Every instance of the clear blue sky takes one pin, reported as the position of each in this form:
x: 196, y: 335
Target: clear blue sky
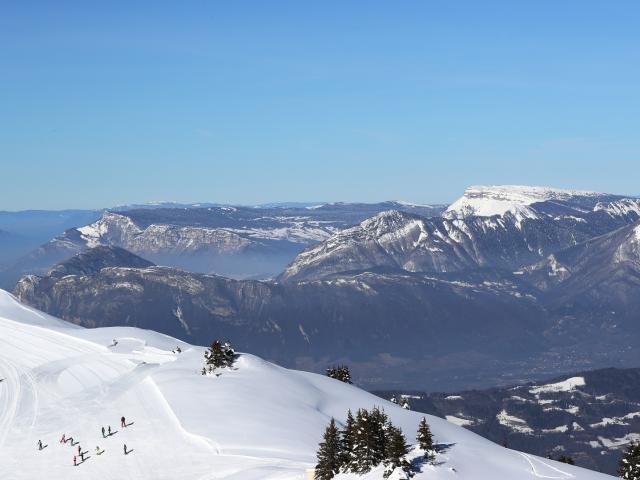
x: 105, y: 103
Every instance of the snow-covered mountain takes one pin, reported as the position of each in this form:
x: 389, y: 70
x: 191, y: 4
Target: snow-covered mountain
x: 503, y: 227
x: 257, y: 421
x: 241, y: 242
x: 520, y: 200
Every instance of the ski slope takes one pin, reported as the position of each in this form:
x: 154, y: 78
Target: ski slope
x: 258, y: 421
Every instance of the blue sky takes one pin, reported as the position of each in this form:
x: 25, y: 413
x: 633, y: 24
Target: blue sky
x: 107, y: 103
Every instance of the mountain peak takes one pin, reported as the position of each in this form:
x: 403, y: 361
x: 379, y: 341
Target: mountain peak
x: 490, y: 200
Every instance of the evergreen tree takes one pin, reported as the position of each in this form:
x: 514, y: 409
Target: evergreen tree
x: 219, y: 355
x: 566, y: 459
x: 630, y: 463
x: 425, y: 439
x: 329, y: 454
x: 369, y: 440
x: 393, y: 399
x: 379, y: 423
x: 404, y: 403
x: 347, y: 439
x: 340, y: 372
x: 395, y: 452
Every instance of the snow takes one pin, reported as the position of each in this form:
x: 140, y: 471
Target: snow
x: 514, y: 423
x: 453, y: 397
x: 458, y: 421
x: 619, y: 442
x: 487, y: 201
x: 564, y: 386
x: 615, y: 420
x: 558, y: 429
x: 256, y: 421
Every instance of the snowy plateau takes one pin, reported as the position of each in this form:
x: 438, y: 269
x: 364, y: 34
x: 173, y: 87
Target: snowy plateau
x: 256, y: 421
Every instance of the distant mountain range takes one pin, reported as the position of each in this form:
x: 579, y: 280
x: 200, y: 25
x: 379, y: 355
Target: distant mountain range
x: 489, y: 227
x: 242, y: 242
x: 508, y: 284
x: 590, y: 416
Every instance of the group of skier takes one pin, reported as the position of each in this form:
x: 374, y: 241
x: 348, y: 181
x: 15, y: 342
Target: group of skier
x: 64, y: 439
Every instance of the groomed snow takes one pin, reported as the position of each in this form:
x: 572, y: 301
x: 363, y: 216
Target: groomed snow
x: 259, y: 421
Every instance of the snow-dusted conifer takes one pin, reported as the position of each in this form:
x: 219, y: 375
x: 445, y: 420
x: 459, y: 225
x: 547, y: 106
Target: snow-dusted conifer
x: 219, y: 355
x: 347, y: 439
x: 396, y: 451
x: 630, y: 463
x: 425, y: 439
x: 340, y: 372
x: 329, y: 454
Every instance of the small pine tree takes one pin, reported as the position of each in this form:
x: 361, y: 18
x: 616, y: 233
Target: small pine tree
x: 395, y: 452
x: 219, y: 355
x: 404, y: 403
x: 340, y: 372
x: 629, y: 468
x: 566, y: 459
x: 369, y: 440
x: 393, y: 399
x: 425, y: 439
x: 379, y: 423
x: 329, y: 454
x: 347, y: 439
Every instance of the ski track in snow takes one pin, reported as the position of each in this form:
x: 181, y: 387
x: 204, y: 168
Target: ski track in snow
x: 531, y: 460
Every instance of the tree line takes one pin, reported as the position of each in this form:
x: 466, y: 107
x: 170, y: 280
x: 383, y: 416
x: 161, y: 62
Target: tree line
x: 366, y: 441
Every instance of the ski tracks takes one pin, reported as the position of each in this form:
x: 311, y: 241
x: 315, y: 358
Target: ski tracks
x: 561, y: 474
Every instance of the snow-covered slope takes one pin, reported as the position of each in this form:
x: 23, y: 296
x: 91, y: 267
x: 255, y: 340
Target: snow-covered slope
x: 258, y: 421
x: 487, y: 201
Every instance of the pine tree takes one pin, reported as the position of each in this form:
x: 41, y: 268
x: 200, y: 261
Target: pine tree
x: 630, y: 463
x: 340, y: 372
x: 425, y: 439
x: 329, y: 454
x: 395, y: 452
x: 379, y: 422
x: 404, y: 403
x: 566, y: 459
x: 219, y: 355
x: 347, y: 439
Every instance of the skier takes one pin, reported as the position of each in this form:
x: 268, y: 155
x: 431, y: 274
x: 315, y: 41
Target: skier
x: 82, y: 456
x: 178, y: 349
x: 102, y: 432
x: 98, y: 451
x: 125, y: 448
x: 122, y: 422
x: 63, y: 439
x: 115, y: 342
x: 75, y: 464
x: 109, y: 430
x: 79, y: 449
x: 39, y: 444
